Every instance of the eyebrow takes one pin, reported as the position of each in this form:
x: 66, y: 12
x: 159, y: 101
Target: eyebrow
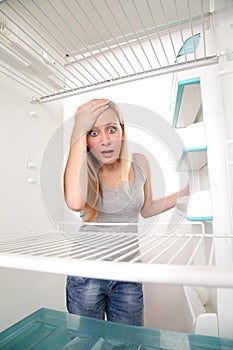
x: 108, y: 124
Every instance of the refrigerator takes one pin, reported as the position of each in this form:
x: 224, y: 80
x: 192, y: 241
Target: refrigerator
x: 168, y: 64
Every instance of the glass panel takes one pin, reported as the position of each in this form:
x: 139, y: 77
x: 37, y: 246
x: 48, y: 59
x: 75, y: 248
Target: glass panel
x: 55, y: 330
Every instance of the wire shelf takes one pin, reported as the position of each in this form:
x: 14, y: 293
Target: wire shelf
x: 58, y: 48
x: 169, y: 258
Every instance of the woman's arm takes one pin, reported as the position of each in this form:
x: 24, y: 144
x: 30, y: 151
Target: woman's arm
x: 152, y: 206
x: 75, y: 175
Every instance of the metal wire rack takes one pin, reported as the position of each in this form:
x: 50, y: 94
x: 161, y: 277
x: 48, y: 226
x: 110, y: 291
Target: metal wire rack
x: 62, y: 47
x: 169, y: 258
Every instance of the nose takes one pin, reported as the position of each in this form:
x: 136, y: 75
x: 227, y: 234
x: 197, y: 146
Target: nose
x: 106, y: 143
x: 105, y: 139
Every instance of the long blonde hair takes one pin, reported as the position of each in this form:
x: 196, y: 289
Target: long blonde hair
x: 94, y: 189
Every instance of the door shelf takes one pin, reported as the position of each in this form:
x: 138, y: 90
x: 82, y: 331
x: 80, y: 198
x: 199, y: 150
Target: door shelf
x: 192, y: 159
x: 194, y: 156
x: 196, y: 207
x: 187, y: 102
x: 199, y: 218
x: 199, y: 206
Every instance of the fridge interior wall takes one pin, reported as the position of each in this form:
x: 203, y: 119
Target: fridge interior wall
x: 24, y: 139
x: 22, y: 202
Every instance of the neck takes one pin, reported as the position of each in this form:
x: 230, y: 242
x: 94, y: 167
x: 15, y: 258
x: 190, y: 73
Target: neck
x: 109, y: 168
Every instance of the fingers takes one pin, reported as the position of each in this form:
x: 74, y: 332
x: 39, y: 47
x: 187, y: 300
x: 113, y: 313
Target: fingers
x: 98, y: 109
x: 87, y: 114
x: 94, y: 104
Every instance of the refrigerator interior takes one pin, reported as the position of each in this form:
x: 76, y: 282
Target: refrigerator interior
x: 56, y: 55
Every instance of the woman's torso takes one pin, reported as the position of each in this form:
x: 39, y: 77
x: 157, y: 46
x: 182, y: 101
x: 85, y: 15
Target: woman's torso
x: 120, y: 205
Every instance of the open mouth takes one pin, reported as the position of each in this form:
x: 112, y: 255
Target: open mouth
x: 107, y: 153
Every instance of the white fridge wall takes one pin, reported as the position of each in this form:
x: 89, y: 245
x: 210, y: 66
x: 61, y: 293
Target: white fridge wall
x: 23, y: 292
x: 23, y: 139
x: 170, y: 310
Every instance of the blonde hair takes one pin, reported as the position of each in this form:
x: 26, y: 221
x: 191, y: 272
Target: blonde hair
x: 94, y: 189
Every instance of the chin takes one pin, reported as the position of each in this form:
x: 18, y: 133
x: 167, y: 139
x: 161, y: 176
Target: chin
x: 109, y: 161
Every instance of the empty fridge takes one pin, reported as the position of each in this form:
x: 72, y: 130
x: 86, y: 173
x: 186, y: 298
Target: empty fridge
x: 174, y: 58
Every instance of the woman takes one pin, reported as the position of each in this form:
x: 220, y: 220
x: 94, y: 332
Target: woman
x: 105, y: 186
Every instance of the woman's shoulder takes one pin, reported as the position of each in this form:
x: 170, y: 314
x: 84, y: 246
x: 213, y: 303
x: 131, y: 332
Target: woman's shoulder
x: 140, y: 158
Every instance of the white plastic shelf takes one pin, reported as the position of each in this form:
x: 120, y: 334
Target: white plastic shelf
x: 193, y: 159
x: 187, y: 103
x: 199, y: 207
x: 149, y: 257
x: 194, y: 156
x: 193, y: 136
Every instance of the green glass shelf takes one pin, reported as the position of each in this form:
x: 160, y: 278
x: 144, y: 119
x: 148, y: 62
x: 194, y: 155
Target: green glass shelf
x: 54, y: 330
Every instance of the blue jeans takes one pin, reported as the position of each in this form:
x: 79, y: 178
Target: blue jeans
x: 120, y: 301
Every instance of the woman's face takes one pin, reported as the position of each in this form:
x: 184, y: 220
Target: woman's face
x: 105, y: 138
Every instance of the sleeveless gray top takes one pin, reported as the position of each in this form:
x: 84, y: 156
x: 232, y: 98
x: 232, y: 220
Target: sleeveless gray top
x: 118, y: 205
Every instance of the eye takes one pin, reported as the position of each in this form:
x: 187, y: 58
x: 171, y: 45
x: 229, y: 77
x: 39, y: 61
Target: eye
x: 112, y: 129
x: 93, y: 133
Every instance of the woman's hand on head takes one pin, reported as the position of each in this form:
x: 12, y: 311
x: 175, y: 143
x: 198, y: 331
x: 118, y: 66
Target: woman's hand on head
x: 86, y: 114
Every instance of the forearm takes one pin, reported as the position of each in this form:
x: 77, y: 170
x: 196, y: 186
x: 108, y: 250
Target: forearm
x: 75, y: 176
x: 158, y: 206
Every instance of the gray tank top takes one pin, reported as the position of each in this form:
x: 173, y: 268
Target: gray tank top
x: 117, y: 205
x: 123, y: 207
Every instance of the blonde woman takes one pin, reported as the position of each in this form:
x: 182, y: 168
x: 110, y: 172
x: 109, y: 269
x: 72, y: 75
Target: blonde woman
x: 105, y: 186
